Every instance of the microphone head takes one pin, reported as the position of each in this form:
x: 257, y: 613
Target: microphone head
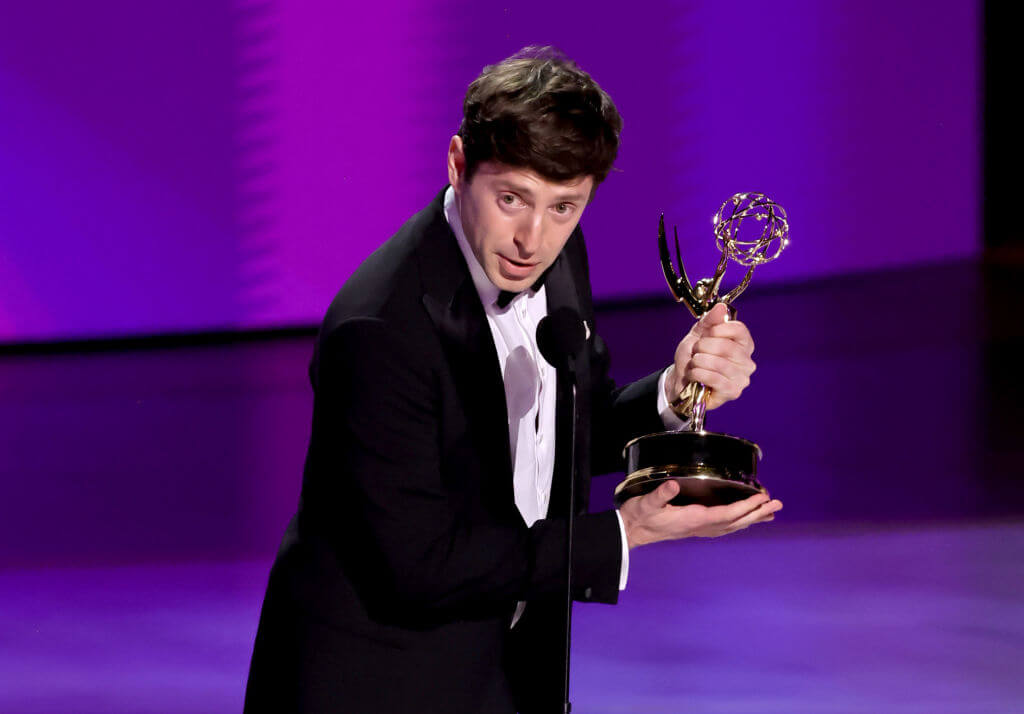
x: 561, y: 337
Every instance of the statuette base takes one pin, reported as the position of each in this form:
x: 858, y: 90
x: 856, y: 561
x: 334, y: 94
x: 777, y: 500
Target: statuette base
x: 711, y: 469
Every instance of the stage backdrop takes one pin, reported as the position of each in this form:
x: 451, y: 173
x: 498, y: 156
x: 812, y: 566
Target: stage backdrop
x: 197, y: 164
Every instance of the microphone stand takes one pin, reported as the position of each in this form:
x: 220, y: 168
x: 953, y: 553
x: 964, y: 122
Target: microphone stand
x: 561, y: 338
x: 571, y: 371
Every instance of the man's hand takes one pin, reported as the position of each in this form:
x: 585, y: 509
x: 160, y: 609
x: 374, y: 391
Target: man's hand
x: 716, y: 353
x: 650, y: 518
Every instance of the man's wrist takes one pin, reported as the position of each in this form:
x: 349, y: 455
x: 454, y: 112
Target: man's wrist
x: 670, y: 417
x: 628, y: 527
x: 624, y: 562
x: 625, y: 530
x: 669, y: 383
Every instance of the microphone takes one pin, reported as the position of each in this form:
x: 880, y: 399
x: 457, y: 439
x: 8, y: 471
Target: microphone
x: 560, y: 338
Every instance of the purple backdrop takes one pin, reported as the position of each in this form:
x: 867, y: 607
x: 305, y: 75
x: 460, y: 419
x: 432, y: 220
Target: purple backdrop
x: 173, y: 166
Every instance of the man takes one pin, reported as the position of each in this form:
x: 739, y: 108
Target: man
x: 425, y: 568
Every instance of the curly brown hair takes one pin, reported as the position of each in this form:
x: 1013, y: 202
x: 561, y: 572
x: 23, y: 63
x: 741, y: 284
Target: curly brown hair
x: 539, y: 110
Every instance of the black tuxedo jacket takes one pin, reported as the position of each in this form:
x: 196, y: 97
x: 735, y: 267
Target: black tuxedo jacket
x: 396, y: 580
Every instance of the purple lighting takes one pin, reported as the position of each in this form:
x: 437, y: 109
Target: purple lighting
x: 178, y: 166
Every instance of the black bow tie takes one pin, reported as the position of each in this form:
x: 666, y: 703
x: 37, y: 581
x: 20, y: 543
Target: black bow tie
x: 505, y: 297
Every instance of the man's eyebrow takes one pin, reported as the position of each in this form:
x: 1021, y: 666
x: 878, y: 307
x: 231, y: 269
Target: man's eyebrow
x: 506, y: 185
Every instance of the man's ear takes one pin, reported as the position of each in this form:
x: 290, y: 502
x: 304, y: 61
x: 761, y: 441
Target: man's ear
x: 456, y: 162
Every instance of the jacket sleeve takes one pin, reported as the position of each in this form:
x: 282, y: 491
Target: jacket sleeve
x: 377, y: 420
x: 619, y: 414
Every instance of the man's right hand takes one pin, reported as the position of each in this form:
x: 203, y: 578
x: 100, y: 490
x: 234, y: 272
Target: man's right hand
x: 650, y: 518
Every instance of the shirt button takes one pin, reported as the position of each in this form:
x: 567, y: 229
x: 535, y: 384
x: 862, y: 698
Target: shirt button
x: 588, y: 593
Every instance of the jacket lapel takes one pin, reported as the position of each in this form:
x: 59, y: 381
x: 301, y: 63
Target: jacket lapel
x: 453, y: 304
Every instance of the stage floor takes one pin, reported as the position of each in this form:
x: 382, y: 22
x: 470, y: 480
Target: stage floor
x: 147, y: 486
x: 795, y: 619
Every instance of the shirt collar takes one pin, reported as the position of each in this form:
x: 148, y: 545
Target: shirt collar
x: 487, y: 290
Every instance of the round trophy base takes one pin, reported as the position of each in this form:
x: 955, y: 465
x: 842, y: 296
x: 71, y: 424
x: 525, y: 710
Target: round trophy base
x: 711, y: 469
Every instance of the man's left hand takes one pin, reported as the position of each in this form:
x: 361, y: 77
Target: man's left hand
x: 716, y: 353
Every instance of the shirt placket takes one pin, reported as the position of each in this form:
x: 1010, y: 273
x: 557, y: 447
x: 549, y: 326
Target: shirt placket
x: 528, y: 330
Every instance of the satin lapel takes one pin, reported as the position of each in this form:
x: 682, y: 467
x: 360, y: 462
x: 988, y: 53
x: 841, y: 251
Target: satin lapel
x: 454, y: 306
x: 562, y: 292
x: 561, y: 285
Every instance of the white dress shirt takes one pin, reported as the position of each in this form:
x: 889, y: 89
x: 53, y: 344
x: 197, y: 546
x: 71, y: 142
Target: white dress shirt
x: 530, y: 386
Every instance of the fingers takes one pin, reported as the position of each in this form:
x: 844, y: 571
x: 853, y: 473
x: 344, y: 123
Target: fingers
x: 722, y: 389
x: 650, y: 518
x: 764, y: 512
x: 731, y: 513
x: 722, y: 365
x: 735, y: 511
x: 709, y: 331
x: 717, y: 315
x: 720, y: 359
x: 725, y: 378
x: 725, y: 350
x: 733, y: 330
x: 725, y: 341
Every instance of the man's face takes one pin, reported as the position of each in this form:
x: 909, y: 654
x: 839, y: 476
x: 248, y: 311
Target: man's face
x: 515, y: 220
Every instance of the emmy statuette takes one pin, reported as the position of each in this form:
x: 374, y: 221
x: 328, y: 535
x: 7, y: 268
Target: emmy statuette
x: 711, y: 469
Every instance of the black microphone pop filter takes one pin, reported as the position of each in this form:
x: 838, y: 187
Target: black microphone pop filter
x: 560, y: 338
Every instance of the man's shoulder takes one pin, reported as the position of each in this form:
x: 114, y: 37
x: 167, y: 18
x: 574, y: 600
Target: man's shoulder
x: 390, y: 280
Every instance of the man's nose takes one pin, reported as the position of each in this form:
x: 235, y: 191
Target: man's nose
x: 529, y: 234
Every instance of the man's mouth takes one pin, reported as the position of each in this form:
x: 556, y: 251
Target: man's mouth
x: 515, y: 269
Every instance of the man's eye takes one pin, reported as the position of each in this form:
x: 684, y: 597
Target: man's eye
x: 508, y: 199
x: 563, y: 208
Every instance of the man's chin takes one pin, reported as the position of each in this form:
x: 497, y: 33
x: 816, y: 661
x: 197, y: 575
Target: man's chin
x: 514, y: 286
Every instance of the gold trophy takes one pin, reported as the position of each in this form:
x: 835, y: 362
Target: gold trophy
x: 711, y: 469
